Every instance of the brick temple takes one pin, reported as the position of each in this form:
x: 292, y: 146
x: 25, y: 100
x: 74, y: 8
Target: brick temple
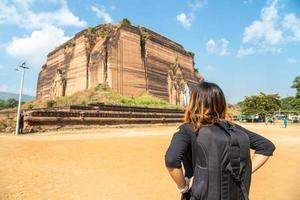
x: 130, y: 59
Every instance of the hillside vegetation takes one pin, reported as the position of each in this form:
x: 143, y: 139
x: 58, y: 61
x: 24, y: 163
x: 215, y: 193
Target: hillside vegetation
x: 102, y: 94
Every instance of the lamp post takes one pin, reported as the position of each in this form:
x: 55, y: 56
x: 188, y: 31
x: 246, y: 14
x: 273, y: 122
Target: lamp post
x: 23, y: 67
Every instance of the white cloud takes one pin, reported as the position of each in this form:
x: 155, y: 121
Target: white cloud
x: 292, y: 61
x: 219, y: 47
x: 265, y: 30
x: 185, y: 20
x: 210, y: 46
x: 270, y: 30
x: 245, y: 51
x: 262, y: 49
x: 35, y: 47
x: 62, y: 17
x: 101, y: 13
x: 292, y: 23
x: 19, y: 13
x: 224, y: 47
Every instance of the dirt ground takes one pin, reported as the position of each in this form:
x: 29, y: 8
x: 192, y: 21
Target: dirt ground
x: 125, y: 163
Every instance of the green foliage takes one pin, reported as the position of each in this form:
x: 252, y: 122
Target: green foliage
x: 103, y: 34
x: 125, y: 21
x: 286, y: 103
x: 92, y: 30
x: 144, y: 36
x: 50, y: 103
x: 62, y: 101
x: 2, y: 104
x: 30, y: 106
x: 295, y: 103
x: 9, y: 103
x: 296, y: 85
x: 102, y: 87
x: 71, y: 43
x: 191, y: 53
x: 263, y: 104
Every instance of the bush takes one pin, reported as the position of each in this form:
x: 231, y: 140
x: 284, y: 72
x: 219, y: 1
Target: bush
x: 125, y: 21
x: 102, y: 87
x: 102, y: 34
x: 30, y: 106
x: 71, y: 43
x: 50, y: 103
x: 92, y: 30
x: 144, y: 36
x: 191, y: 53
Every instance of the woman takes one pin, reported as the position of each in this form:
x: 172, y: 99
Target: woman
x: 201, y: 144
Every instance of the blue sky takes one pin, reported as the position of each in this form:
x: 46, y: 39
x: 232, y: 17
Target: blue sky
x: 245, y: 46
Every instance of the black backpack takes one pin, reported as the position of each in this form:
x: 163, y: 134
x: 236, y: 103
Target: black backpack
x: 222, y: 164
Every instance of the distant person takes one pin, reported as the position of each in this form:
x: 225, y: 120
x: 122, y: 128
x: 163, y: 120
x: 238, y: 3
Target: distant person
x: 285, y: 122
x: 201, y: 144
x: 270, y: 120
x: 273, y: 119
x: 266, y: 120
x: 21, y: 123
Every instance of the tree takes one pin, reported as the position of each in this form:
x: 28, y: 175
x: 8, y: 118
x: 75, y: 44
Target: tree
x: 11, y: 103
x: 296, y: 102
x: 2, y: 104
x: 296, y: 85
x: 287, y: 103
x: 263, y: 104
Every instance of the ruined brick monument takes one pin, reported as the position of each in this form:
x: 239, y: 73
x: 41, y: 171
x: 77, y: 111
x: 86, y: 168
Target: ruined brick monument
x: 130, y: 59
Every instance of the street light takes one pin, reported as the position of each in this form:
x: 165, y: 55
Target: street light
x: 23, y: 67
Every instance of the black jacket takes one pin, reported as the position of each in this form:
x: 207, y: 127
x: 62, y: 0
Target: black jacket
x: 180, y: 149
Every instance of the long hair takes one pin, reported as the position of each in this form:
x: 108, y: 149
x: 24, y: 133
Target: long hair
x: 207, y: 105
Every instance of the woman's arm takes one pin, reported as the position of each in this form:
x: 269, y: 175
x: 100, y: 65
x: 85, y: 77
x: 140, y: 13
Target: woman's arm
x: 177, y: 176
x: 263, y: 147
x: 258, y: 160
x: 258, y: 143
x: 174, y: 155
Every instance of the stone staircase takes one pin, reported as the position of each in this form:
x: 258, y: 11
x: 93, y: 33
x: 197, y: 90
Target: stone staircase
x: 82, y: 116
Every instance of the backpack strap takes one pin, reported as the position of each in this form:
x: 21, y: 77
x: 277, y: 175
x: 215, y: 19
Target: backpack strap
x: 233, y: 165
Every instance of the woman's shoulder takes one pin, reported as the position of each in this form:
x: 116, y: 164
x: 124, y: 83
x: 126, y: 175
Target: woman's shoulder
x: 186, y: 129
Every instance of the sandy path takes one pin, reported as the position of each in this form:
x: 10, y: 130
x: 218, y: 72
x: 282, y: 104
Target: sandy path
x: 124, y: 163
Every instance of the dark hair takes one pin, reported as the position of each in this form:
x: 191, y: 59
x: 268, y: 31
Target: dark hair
x: 207, y: 105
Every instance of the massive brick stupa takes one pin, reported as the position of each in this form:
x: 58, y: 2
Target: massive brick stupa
x: 130, y: 59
